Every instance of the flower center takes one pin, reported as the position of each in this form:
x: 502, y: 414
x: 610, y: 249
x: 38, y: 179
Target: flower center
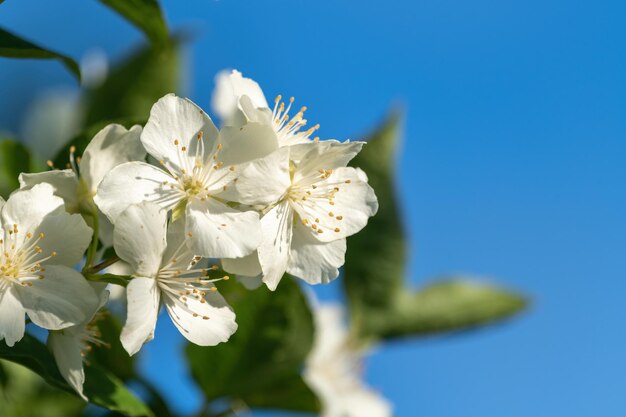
x: 192, y: 186
x: 21, y: 257
x: 288, y: 127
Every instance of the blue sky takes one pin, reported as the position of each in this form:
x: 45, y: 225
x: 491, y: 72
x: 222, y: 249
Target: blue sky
x: 512, y: 167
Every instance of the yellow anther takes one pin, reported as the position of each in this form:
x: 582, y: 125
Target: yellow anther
x: 226, y: 278
x: 331, y: 214
x: 50, y: 163
x: 189, y: 234
x: 54, y: 253
x: 176, y: 142
x: 278, y: 98
x: 72, y: 149
x: 337, y: 230
x: 291, y: 99
x: 232, y: 168
x: 347, y: 181
x: 219, y: 146
x: 29, y: 235
x: 184, y: 148
x: 339, y: 217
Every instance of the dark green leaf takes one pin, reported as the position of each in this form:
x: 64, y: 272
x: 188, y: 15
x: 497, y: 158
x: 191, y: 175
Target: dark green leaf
x: 134, y: 85
x: 112, y: 357
x: 101, y: 387
x: 14, y: 159
x: 263, y: 358
x: 145, y: 14
x: 12, y: 46
x: 381, y: 305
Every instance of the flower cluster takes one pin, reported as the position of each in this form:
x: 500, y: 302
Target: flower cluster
x: 178, y: 200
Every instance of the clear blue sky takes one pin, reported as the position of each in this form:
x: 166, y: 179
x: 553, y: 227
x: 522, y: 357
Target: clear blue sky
x: 513, y: 167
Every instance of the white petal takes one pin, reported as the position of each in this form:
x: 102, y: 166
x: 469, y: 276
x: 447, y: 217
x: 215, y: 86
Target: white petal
x: 203, y: 323
x: 105, y: 230
x: 66, y: 234
x: 11, y: 317
x: 66, y: 348
x: 229, y: 87
x: 314, y: 261
x: 246, y: 143
x: 364, y: 402
x: 64, y: 181
x: 248, y: 265
x: 134, y: 182
x: 277, y: 225
x: 354, y: 203
x: 174, y: 118
x: 327, y: 154
x: 111, y: 147
x: 143, y: 307
x: 219, y: 231
x: 264, y: 180
x: 139, y: 237
x: 62, y: 299
x: 28, y: 208
x: 252, y: 113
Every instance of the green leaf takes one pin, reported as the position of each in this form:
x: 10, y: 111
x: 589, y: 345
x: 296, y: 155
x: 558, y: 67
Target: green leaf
x: 145, y: 14
x: 12, y: 46
x: 381, y: 304
x: 112, y: 357
x: 101, y: 387
x: 14, y: 159
x: 134, y: 85
x: 444, y: 306
x: 261, y: 362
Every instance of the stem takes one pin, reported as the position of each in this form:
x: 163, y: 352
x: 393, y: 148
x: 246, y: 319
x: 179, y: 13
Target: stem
x: 93, y: 247
x: 102, y: 265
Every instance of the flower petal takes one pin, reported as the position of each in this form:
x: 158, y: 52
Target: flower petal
x: 134, y: 182
x: 327, y: 154
x: 229, y: 87
x: 314, y: 261
x: 174, y: 118
x: 203, y: 323
x: 66, y: 235
x: 66, y: 349
x: 246, y: 143
x: 353, y: 203
x: 111, y: 147
x: 219, y: 231
x: 27, y: 208
x: 139, y: 237
x: 277, y: 225
x: 248, y: 265
x: 11, y: 317
x: 64, y: 181
x: 143, y: 307
x: 62, y: 299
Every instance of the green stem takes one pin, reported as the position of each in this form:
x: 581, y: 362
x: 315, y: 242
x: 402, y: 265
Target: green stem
x: 93, y: 247
x: 102, y: 265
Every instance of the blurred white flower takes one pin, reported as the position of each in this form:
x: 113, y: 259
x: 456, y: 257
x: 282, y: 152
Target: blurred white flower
x: 165, y: 269
x: 70, y: 345
x: 110, y: 147
x: 51, y: 121
x: 40, y: 242
x: 334, y: 370
x: 237, y: 99
x: 94, y: 68
x: 312, y: 203
x: 199, y: 165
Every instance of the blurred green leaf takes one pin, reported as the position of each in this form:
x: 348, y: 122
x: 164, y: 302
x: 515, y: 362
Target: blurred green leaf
x: 12, y: 46
x: 101, y: 387
x: 381, y: 305
x: 260, y: 364
x: 27, y: 395
x: 145, y: 14
x: 134, y: 85
x: 14, y: 159
x: 443, y: 306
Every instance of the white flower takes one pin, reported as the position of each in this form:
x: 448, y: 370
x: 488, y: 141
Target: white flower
x: 333, y: 370
x: 110, y: 147
x: 313, y: 202
x: 70, y: 345
x: 165, y: 270
x: 238, y: 99
x: 199, y: 164
x: 39, y: 243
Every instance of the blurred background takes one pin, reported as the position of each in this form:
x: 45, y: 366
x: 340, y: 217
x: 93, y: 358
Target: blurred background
x: 512, y: 167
